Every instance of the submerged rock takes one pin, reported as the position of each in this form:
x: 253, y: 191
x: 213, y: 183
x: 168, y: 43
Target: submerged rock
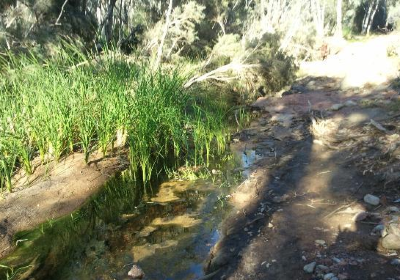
x: 136, y: 272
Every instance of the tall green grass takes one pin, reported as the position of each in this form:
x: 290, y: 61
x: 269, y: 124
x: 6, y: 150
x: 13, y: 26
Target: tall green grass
x: 50, y: 109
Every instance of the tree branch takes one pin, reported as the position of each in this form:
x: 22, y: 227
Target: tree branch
x: 62, y: 11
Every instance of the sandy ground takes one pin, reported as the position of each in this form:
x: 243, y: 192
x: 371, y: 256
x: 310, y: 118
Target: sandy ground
x: 313, y: 155
x: 53, y: 191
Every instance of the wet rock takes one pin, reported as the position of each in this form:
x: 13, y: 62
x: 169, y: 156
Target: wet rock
x: 371, y: 199
x: 395, y: 262
x: 329, y: 276
x: 136, y: 272
x: 309, y: 268
x: 392, y: 240
x: 336, y: 107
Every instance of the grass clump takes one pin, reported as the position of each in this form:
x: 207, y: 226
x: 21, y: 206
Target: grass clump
x: 53, y: 108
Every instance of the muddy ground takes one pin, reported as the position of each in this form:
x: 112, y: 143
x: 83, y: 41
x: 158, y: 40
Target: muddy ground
x: 315, y: 153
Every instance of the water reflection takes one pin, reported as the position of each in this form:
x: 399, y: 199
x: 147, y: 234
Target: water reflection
x: 168, y: 239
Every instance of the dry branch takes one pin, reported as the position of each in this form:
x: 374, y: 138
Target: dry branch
x: 62, y: 11
x: 221, y: 73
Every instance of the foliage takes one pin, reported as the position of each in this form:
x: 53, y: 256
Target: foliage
x: 54, y: 109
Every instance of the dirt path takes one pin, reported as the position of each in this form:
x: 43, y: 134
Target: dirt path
x: 313, y: 155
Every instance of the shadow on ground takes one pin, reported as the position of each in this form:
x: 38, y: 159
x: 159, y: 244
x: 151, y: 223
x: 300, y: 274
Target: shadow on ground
x: 319, y: 155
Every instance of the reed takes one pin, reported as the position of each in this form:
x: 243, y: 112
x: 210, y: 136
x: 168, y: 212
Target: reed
x: 52, y: 108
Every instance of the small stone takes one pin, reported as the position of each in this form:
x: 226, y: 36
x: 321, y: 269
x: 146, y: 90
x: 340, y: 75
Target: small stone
x: 320, y: 242
x: 336, y: 260
x: 309, y: 268
x: 136, y: 272
x: 350, y: 103
x: 329, y: 276
x: 322, y: 268
x: 393, y: 209
x: 336, y: 107
x: 395, y: 262
x: 371, y: 199
x: 378, y: 230
x: 343, y: 276
x: 360, y: 216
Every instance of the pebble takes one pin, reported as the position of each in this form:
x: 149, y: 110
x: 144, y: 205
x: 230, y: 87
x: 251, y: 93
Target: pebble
x: 360, y: 216
x: 378, y: 230
x: 393, y: 209
x: 343, y: 276
x: 322, y: 268
x: 320, y: 242
x: 336, y: 107
x: 336, y: 260
x: 395, y: 262
x: 329, y: 276
x: 136, y: 272
x: 371, y: 199
x: 350, y: 103
x: 309, y: 268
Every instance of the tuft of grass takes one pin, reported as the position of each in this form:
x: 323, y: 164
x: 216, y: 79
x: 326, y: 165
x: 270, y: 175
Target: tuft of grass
x: 51, y: 108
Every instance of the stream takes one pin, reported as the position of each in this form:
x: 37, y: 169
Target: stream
x: 168, y: 235
x: 167, y: 230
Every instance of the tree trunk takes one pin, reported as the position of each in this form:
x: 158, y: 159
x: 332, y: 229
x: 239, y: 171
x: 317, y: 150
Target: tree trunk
x: 369, y: 16
x: 109, y: 21
x: 372, y: 17
x: 339, y: 28
x: 160, y: 47
x: 318, y: 14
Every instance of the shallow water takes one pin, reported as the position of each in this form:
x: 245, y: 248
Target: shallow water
x: 169, y: 237
x: 168, y: 230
